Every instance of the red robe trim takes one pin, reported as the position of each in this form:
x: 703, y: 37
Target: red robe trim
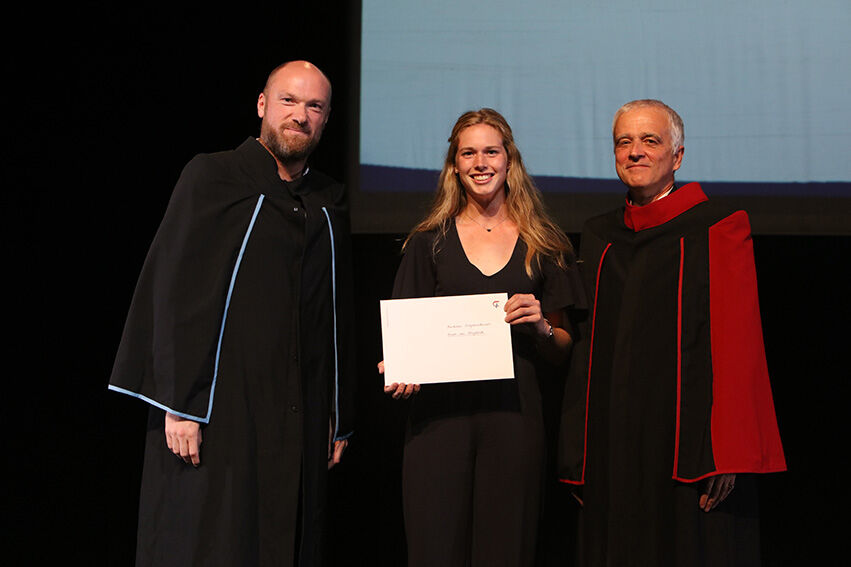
x: 679, y: 356
x: 590, y: 356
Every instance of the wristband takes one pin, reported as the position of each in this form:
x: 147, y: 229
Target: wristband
x: 549, y: 334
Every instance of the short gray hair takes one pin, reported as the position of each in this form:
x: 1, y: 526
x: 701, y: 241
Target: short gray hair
x: 675, y: 123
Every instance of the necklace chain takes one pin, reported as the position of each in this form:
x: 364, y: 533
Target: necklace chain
x: 483, y: 226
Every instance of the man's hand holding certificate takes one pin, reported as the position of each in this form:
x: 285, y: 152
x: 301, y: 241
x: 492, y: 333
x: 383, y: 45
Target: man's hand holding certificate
x: 446, y: 339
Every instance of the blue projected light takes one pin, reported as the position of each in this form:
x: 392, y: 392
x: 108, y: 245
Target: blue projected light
x: 762, y: 88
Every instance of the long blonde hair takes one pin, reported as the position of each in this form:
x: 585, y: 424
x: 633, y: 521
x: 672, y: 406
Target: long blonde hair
x: 523, y: 200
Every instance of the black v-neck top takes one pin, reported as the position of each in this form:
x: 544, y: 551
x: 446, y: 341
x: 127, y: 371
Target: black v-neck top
x: 426, y: 273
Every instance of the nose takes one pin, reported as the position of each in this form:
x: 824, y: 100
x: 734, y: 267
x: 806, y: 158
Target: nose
x: 636, y: 151
x: 300, y: 114
x: 479, y: 162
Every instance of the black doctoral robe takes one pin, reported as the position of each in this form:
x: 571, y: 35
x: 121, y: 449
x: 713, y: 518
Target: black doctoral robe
x: 668, y: 386
x: 241, y: 320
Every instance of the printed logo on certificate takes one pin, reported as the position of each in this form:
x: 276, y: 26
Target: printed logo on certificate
x: 457, y: 338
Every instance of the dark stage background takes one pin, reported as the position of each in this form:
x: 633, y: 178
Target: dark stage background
x: 106, y: 109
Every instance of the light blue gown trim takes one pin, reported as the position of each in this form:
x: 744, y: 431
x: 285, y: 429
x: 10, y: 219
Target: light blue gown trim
x: 334, y: 311
x: 157, y: 404
x: 206, y: 419
x: 227, y: 301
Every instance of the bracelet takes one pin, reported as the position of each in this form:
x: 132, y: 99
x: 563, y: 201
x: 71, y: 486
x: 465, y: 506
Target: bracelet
x: 549, y: 333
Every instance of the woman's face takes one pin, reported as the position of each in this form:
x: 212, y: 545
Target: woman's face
x: 481, y: 161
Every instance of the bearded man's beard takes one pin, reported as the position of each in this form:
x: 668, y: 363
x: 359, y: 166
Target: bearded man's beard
x: 289, y: 147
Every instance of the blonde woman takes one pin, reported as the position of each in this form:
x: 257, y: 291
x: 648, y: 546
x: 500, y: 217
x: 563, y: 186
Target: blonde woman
x: 474, y: 452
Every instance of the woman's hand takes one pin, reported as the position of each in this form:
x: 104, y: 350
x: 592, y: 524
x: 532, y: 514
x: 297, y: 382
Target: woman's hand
x: 551, y: 331
x: 525, y: 309
x: 398, y: 390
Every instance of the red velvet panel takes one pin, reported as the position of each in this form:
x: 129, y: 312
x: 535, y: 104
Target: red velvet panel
x: 745, y: 437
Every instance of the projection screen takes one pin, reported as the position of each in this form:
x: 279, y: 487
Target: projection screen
x: 762, y: 87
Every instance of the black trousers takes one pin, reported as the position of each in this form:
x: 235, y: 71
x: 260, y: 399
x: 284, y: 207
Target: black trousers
x: 472, y: 487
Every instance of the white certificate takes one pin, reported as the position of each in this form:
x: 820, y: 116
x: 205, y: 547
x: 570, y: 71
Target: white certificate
x: 457, y: 338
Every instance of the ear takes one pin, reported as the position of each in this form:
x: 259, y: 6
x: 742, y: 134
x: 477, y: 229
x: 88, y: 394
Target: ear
x: 678, y: 157
x: 261, y: 105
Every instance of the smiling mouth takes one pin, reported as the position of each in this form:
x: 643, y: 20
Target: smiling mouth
x: 295, y: 127
x: 482, y: 177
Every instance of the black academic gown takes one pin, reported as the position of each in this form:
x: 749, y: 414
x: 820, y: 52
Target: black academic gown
x: 668, y: 386
x: 241, y: 320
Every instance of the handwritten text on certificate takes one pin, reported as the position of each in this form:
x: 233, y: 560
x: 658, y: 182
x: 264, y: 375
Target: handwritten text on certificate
x: 456, y: 338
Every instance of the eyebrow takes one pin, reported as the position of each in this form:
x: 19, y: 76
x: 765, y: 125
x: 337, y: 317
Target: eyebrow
x: 495, y: 147
x: 641, y: 135
x: 287, y: 94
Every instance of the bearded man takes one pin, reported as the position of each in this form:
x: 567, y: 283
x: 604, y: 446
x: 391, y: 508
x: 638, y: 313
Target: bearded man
x: 239, y: 337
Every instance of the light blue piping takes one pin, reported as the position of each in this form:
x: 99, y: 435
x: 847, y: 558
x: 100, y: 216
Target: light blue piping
x: 227, y: 301
x: 221, y: 333
x: 157, y: 404
x: 334, y: 306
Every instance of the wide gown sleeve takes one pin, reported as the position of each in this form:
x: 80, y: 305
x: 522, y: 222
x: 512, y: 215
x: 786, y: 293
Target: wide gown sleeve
x: 167, y: 352
x: 745, y: 436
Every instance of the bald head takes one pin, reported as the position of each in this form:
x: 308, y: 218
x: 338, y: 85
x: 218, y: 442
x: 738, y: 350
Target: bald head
x: 298, y: 68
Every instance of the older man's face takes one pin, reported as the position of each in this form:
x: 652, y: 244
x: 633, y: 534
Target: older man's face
x: 644, y: 157
x: 294, y: 108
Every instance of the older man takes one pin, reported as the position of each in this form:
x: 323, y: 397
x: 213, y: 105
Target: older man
x: 668, y: 407
x: 237, y: 337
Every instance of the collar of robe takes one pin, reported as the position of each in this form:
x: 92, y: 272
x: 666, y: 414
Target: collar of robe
x: 661, y: 211
x: 264, y: 162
